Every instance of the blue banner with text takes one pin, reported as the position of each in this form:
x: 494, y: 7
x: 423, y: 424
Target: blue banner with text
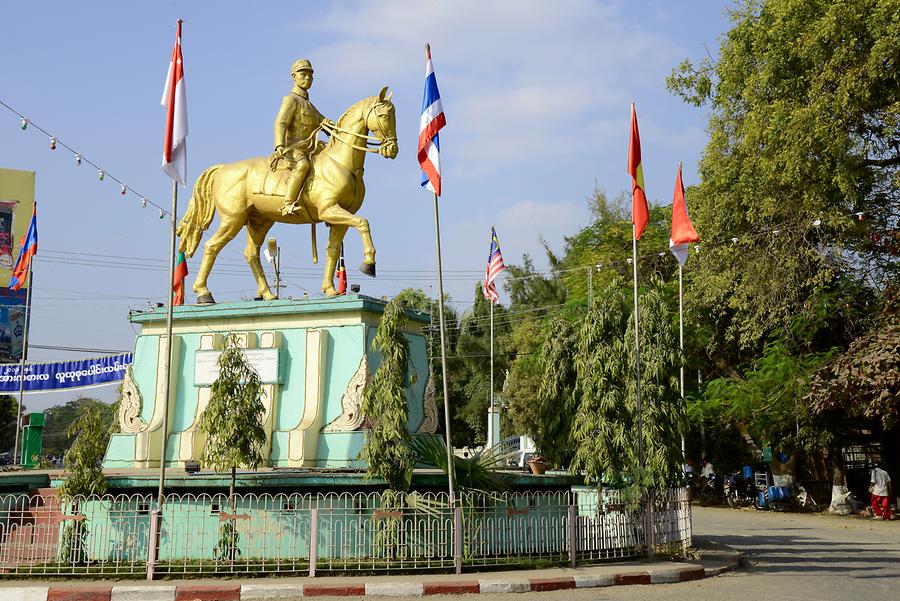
x: 65, y: 374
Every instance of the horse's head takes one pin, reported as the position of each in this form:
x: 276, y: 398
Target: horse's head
x: 382, y: 121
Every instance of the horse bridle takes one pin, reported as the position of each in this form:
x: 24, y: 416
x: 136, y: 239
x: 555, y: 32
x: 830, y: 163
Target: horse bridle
x: 372, y: 142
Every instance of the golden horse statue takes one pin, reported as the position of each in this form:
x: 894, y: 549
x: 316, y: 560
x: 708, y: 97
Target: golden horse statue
x: 248, y: 193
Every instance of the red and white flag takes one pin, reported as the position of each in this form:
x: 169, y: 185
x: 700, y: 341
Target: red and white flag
x: 174, y: 98
x: 683, y: 232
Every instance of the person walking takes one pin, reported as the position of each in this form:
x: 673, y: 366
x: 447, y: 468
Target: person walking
x: 881, y: 490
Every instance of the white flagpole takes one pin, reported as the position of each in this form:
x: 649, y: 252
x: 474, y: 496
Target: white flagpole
x: 637, y: 352
x: 648, y: 516
x: 492, y: 434
x: 437, y: 238
x: 156, y: 523
x: 681, y: 342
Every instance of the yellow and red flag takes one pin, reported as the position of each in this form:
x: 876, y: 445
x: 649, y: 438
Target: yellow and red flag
x: 639, y: 212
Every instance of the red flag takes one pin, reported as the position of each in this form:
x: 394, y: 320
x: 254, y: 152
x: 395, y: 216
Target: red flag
x: 180, y: 274
x: 683, y: 232
x: 174, y: 98
x: 341, y: 274
x: 639, y: 212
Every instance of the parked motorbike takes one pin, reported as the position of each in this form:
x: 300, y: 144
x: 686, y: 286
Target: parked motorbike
x: 739, y: 491
x: 711, y: 490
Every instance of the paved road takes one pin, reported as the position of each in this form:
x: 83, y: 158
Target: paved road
x: 793, y: 557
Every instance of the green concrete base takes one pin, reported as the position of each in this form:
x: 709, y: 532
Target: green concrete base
x: 315, y: 358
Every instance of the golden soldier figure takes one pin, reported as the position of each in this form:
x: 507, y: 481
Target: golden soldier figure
x: 296, y: 132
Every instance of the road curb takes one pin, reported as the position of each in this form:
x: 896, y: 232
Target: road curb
x: 273, y: 590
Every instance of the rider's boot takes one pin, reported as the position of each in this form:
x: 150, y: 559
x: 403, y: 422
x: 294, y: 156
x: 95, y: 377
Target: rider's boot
x: 295, y: 185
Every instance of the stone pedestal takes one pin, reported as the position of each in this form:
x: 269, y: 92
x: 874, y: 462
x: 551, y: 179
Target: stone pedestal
x: 314, y: 358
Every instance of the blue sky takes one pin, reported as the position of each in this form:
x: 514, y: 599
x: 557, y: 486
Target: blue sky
x: 536, y: 96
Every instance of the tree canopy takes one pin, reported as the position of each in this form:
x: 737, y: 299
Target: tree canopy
x: 805, y: 101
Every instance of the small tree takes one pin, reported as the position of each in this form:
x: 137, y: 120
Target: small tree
x: 387, y: 449
x: 232, y: 419
x: 85, y: 476
x: 233, y: 426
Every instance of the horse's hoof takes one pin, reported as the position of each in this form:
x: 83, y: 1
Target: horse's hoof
x: 268, y: 295
x: 330, y: 292
x: 206, y: 299
x: 368, y: 269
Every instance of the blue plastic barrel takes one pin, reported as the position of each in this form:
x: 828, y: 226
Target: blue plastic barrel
x: 748, y: 472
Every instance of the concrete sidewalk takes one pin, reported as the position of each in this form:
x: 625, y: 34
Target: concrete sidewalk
x: 711, y: 563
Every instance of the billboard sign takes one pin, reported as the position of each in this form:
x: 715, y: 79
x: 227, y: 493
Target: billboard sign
x: 16, y: 205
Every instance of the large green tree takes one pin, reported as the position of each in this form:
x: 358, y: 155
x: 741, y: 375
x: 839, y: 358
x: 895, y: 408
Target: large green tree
x: 607, y: 429
x: 804, y: 101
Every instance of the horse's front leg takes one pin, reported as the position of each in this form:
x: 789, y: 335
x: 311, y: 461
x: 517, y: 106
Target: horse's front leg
x: 256, y: 235
x: 332, y: 253
x: 335, y: 215
x: 228, y: 229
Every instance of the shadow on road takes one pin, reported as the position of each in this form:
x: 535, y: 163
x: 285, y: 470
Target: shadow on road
x: 795, y: 552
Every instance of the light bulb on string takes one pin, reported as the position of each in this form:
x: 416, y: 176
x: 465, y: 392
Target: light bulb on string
x: 25, y: 123
x: 817, y: 223
x: 734, y: 240
x: 859, y: 216
x: 101, y: 174
x: 162, y: 214
x: 124, y: 190
x: 143, y: 203
x: 77, y: 159
x: 52, y: 143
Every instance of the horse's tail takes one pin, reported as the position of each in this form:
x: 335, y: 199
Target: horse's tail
x: 199, y: 213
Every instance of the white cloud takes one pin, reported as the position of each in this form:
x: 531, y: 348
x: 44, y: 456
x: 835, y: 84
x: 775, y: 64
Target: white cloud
x: 521, y: 80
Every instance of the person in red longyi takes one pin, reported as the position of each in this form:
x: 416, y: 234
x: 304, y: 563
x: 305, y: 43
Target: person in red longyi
x: 881, y: 489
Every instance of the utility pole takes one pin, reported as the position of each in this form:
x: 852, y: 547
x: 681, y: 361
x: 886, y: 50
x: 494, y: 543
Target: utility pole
x: 273, y: 252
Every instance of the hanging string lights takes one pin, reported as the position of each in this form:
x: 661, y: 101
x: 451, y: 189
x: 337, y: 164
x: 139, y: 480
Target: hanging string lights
x: 55, y: 142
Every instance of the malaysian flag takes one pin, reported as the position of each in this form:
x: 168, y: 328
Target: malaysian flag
x: 494, y: 267
x: 430, y: 124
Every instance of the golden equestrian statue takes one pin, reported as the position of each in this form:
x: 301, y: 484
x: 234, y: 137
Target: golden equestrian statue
x: 301, y: 182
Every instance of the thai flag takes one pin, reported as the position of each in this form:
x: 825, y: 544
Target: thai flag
x: 494, y: 267
x: 174, y: 98
x: 429, y: 125
x: 28, y: 248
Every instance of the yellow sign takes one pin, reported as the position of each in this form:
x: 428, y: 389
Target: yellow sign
x: 16, y: 203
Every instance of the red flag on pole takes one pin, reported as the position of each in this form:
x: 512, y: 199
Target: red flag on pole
x: 341, y: 274
x: 683, y: 232
x: 174, y: 98
x: 639, y: 212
